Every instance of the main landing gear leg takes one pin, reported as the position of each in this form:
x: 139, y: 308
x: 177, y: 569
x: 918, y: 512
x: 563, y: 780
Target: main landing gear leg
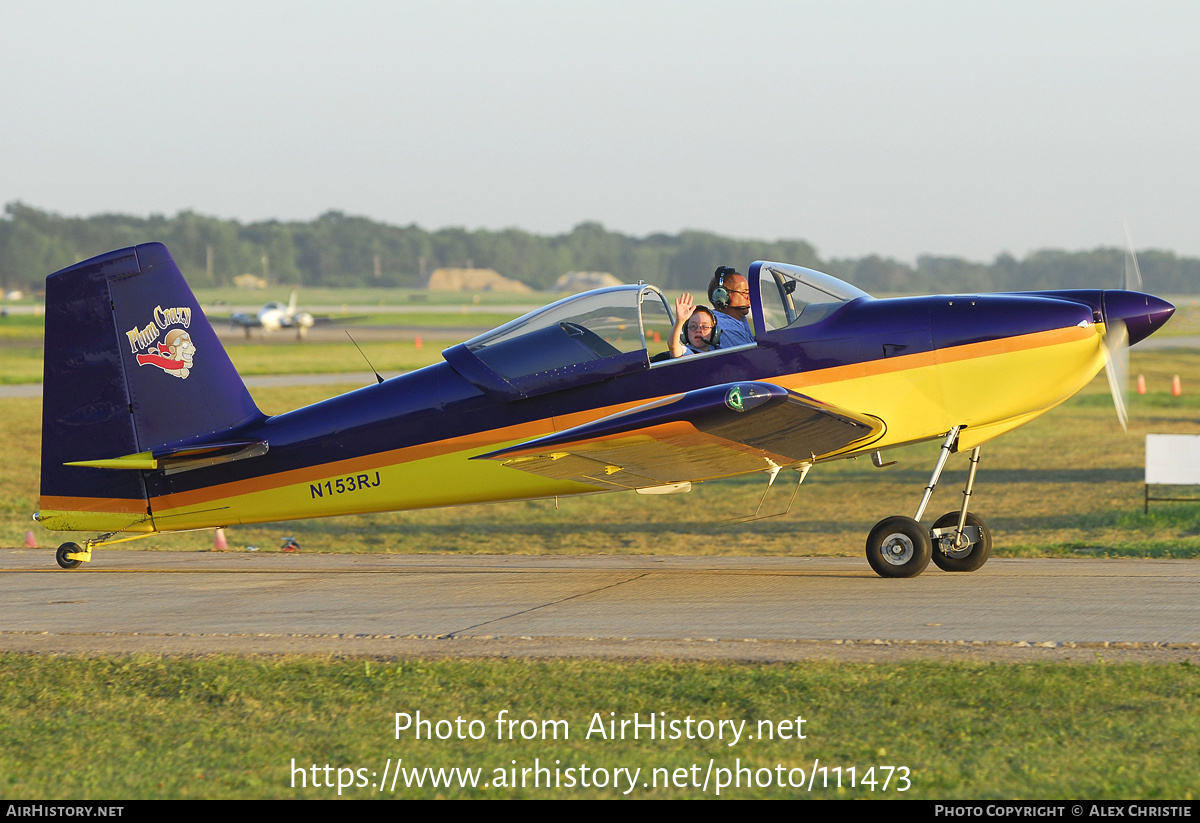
x: 899, y: 546
x: 961, y: 541
x: 943, y: 456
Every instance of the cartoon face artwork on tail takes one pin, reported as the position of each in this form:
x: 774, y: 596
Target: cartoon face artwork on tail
x: 174, y: 355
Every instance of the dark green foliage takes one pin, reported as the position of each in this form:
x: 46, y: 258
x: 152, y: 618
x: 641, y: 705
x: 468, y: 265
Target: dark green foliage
x: 341, y: 250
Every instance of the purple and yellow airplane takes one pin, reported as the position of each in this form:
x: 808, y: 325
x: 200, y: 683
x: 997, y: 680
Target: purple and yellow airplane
x: 148, y: 428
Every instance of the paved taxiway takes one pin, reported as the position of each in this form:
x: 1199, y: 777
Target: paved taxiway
x: 694, y: 607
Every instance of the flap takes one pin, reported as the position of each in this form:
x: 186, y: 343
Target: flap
x: 720, y: 431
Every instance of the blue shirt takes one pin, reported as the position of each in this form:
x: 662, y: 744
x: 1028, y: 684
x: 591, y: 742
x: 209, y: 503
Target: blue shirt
x: 734, y: 332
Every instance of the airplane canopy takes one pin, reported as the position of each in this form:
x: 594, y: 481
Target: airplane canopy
x: 577, y: 340
x: 792, y: 296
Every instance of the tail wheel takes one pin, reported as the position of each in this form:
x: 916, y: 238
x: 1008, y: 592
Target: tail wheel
x: 63, y: 551
x: 972, y: 550
x: 899, y: 547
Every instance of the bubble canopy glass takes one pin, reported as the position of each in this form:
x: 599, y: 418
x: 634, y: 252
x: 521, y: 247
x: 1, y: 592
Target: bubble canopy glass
x: 577, y: 340
x: 793, y: 296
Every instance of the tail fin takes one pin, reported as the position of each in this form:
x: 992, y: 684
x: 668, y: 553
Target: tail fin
x: 131, y: 366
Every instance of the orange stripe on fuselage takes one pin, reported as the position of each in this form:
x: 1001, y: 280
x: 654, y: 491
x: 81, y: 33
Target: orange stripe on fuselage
x: 369, y: 462
x: 904, y: 362
x: 1005, y: 345
x: 121, y: 505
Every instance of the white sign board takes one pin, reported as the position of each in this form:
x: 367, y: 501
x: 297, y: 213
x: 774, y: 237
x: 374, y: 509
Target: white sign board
x: 1173, y: 459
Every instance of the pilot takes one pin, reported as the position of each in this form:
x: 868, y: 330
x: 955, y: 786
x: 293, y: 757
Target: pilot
x: 729, y: 292
x: 695, y: 328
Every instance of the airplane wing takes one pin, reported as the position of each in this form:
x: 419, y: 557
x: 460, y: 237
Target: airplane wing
x: 719, y: 431
x: 241, y: 320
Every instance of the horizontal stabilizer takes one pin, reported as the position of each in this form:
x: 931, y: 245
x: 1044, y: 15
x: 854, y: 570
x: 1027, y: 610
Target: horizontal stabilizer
x: 720, y: 431
x: 172, y: 461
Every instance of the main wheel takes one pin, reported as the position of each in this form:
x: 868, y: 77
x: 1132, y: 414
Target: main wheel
x: 974, y: 550
x: 898, y: 547
x: 63, y: 551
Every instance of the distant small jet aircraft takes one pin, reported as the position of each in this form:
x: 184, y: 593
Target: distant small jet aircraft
x: 276, y: 316
x: 147, y: 427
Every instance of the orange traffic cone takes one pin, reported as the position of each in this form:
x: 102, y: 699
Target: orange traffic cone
x: 1176, y: 388
x: 1141, y: 388
x: 418, y: 342
x: 219, y: 544
x: 30, y: 543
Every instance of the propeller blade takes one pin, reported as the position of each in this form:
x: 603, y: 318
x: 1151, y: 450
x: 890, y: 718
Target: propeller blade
x: 1116, y: 367
x: 1133, y: 272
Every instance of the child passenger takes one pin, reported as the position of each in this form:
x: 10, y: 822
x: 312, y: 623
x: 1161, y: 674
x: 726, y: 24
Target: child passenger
x: 694, y: 330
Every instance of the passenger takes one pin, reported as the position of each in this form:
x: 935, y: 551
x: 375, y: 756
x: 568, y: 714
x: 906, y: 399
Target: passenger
x: 729, y: 292
x: 695, y: 328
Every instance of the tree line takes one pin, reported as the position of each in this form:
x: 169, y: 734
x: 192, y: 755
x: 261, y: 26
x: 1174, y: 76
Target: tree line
x: 337, y: 249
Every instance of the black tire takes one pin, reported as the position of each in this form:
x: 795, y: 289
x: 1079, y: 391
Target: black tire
x: 968, y: 558
x: 898, y: 547
x: 63, y: 551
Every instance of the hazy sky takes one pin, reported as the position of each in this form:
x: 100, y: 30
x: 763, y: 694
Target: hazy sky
x: 899, y: 128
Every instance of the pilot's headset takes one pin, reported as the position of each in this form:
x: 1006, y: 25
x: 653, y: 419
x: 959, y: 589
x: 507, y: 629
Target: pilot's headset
x: 717, y: 293
x: 714, y: 337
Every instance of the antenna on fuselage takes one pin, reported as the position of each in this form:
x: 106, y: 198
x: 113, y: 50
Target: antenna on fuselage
x: 378, y: 379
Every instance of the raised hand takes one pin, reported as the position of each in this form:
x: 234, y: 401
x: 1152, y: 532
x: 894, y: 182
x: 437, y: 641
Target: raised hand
x: 684, y: 306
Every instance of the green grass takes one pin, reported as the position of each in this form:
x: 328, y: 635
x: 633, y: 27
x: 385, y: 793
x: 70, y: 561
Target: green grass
x: 325, y: 296
x: 21, y: 342
x: 434, y: 320
x: 290, y: 358
x: 22, y: 327
x: 20, y: 364
x: 226, y: 727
